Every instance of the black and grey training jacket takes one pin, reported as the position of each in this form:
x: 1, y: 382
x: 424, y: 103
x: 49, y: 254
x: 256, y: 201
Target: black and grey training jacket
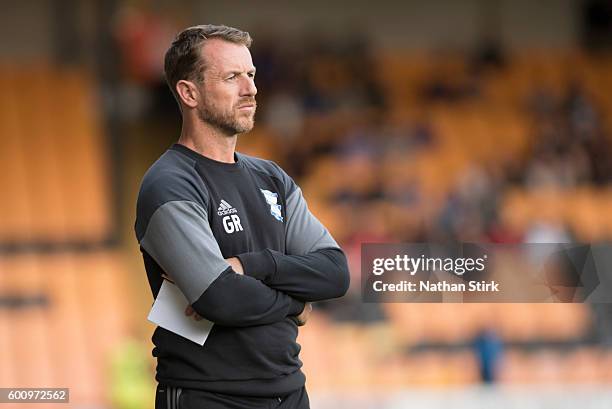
x: 192, y: 214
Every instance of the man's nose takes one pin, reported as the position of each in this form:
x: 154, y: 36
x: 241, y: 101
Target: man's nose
x: 248, y: 87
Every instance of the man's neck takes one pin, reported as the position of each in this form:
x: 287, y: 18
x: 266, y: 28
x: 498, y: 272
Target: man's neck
x: 209, y: 142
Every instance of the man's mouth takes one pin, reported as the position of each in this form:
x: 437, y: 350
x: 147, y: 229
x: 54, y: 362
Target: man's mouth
x: 247, y: 106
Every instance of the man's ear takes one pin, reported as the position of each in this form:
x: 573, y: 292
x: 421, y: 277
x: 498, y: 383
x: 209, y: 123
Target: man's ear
x: 188, y: 93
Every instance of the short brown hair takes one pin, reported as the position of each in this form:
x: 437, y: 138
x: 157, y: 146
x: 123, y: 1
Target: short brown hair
x: 183, y: 60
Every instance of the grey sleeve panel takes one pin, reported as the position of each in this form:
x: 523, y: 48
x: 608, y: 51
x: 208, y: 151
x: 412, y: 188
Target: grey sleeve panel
x: 180, y: 240
x: 304, y: 232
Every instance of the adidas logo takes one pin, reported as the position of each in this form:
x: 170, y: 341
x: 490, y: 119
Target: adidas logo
x: 225, y: 208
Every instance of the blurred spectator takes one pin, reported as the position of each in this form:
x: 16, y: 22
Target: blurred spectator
x: 564, y: 168
x: 488, y: 349
x: 547, y: 232
x: 471, y: 207
x: 489, y: 55
x: 450, y: 84
x: 580, y: 114
x: 143, y: 36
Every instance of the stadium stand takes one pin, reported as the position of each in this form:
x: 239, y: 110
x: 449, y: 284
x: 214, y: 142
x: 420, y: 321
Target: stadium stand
x: 62, y: 310
x: 445, y: 150
x: 53, y: 162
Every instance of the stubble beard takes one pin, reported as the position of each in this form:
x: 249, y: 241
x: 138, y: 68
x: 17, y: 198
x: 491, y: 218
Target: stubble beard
x: 229, y: 123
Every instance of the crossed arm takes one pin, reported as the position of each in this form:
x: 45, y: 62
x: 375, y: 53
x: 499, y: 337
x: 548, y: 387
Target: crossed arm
x: 274, y: 286
x: 317, y: 276
x: 236, y: 265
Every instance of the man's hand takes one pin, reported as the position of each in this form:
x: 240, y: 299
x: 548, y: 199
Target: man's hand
x: 189, y: 311
x: 301, y: 319
x: 236, y: 264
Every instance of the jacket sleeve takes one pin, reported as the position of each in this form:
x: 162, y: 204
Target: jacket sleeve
x: 178, y: 237
x: 313, y: 268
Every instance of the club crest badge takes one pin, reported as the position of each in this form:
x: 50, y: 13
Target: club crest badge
x: 272, y: 200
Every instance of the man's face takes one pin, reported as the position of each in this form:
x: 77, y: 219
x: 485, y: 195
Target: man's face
x: 228, y: 90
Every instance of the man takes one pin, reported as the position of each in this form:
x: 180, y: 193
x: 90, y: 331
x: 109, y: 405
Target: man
x: 235, y: 235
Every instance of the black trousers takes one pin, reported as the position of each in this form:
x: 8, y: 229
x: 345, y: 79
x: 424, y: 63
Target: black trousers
x: 167, y: 397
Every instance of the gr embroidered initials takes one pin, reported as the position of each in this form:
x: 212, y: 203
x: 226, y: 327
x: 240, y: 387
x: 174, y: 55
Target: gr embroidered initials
x: 232, y: 223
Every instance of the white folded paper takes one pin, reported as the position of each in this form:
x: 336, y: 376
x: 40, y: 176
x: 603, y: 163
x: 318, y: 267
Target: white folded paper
x: 169, y: 313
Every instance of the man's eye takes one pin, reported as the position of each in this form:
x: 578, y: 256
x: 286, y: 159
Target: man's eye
x: 251, y: 75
